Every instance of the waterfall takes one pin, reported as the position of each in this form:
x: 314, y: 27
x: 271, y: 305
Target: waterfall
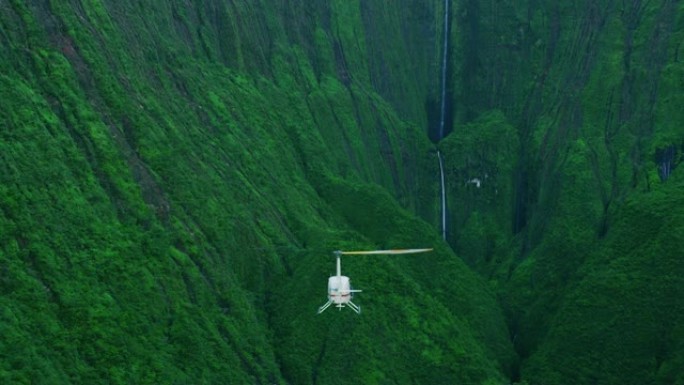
x: 443, y: 195
x: 444, y: 69
x: 442, y: 116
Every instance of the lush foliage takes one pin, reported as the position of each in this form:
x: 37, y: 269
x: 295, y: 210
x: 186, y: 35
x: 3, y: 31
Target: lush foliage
x: 628, y: 301
x: 176, y: 174
x: 589, y: 88
x: 175, y: 179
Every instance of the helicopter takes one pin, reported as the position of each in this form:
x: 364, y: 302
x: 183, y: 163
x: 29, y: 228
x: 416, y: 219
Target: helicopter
x: 340, y: 292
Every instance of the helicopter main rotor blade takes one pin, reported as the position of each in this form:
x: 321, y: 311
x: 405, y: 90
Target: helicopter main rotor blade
x: 395, y: 251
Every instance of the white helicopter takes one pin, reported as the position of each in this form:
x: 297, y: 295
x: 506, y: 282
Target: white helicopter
x: 340, y: 292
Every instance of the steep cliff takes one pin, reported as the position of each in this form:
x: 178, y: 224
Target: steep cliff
x: 176, y: 175
x: 584, y: 131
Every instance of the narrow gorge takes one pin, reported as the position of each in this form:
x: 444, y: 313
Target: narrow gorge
x: 175, y: 176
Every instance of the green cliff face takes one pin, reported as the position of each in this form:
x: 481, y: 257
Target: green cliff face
x: 175, y: 176
x: 587, y: 136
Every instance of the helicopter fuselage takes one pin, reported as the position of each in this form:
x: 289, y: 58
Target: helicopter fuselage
x: 339, y: 289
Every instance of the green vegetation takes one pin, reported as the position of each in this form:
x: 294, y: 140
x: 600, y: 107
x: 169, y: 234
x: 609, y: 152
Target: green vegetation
x: 586, y: 87
x: 176, y: 176
x: 628, y: 302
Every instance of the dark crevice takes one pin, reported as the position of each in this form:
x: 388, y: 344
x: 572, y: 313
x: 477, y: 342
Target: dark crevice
x: 665, y: 158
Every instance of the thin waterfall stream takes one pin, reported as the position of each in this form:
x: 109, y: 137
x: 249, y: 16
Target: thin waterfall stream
x: 443, y: 194
x: 442, y: 112
x: 442, y: 117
